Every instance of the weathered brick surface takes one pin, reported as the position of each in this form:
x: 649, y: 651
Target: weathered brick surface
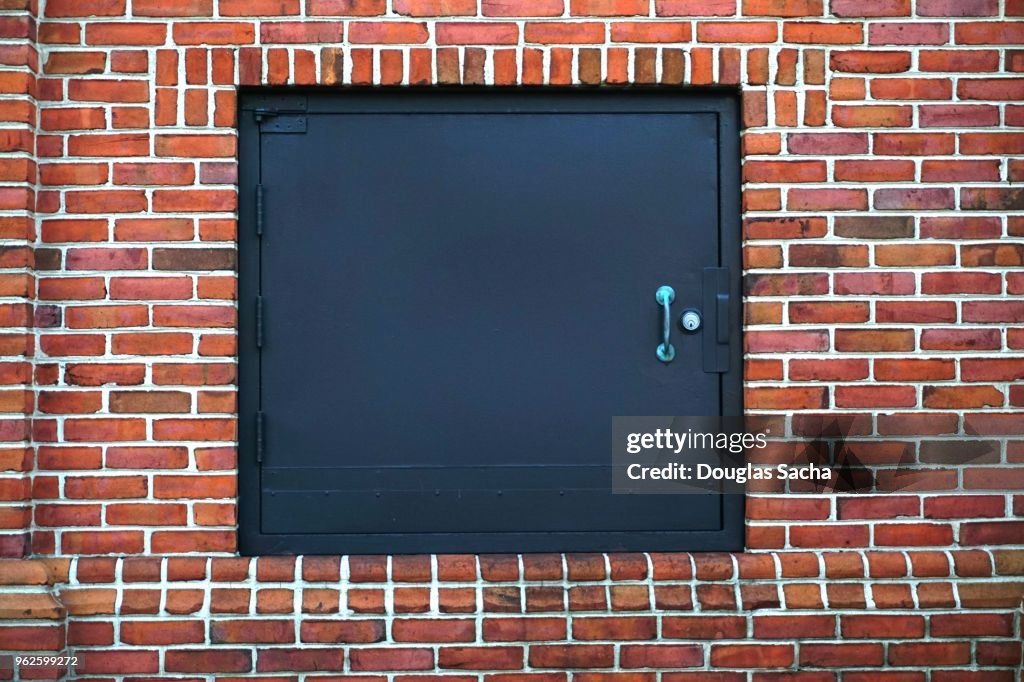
x: 884, y: 241
x: 823, y: 612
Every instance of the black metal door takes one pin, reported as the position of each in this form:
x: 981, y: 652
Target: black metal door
x: 445, y: 298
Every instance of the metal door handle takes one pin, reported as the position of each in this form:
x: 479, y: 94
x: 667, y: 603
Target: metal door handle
x: 664, y: 296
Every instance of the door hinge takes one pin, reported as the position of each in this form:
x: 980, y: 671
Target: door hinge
x: 259, y: 322
x: 288, y: 118
x: 259, y: 210
x: 259, y: 437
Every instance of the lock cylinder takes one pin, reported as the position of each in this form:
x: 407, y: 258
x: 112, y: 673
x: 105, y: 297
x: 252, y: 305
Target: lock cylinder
x: 690, y: 320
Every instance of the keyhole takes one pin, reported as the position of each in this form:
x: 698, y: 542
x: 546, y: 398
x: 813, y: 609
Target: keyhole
x: 690, y: 320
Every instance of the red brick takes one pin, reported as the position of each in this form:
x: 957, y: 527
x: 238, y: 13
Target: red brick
x: 120, y: 662
x: 957, y: 8
x: 883, y: 283
x: 958, y: 115
x: 564, y: 33
x: 335, y: 632
x: 704, y: 627
x: 671, y: 656
x: 390, y: 32
x: 480, y: 658
x: 193, y: 487
x: 961, y: 227
x: 117, y: 144
x: 991, y: 198
x: 249, y: 8
x: 961, y: 283
x: 608, y: 8
x: 651, y: 32
x: 213, y: 33
x: 74, y: 230
x: 181, y: 8
x: 991, y: 533
x: 358, y: 8
x: 784, y: 171
x: 841, y: 655
x: 833, y: 535
x: 521, y: 8
x: 85, y: 8
x: 195, y: 145
x: 252, y: 631
x: 752, y: 655
x: 523, y: 629
x: 915, y: 199
x: 828, y: 370
x: 566, y: 656
x: 875, y: 396
x: 823, y: 33
x: 827, y: 199
x: 125, y: 33
x: 913, y: 535
x: 77, y: 118
x: 990, y: 33
x: 786, y: 340
x: 153, y: 229
x: 991, y: 143
x: 737, y: 32
x: 960, y: 397
x: 971, y: 625
x: 907, y: 33
x: 435, y: 8
x: 827, y: 143
x: 872, y: 116
x: 959, y: 171
x: 874, y: 171
x: 106, y: 201
x: 929, y: 653
x: 102, y: 542
x: 859, y: 61
x: 828, y: 255
x: 916, y: 424
x: 987, y: 255
x: 696, y: 8
x: 614, y: 628
x: 104, y: 90
x: 911, y: 88
x: 963, y: 506
x: 909, y: 255
x: 878, y: 8
x: 793, y: 627
x: 782, y: 8
x: 390, y: 659
x: 163, y: 632
x: 959, y: 60
x: 433, y: 630
x: 208, y: 660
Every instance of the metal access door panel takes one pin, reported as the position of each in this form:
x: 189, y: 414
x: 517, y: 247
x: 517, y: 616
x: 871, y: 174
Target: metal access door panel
x: 452, y: 295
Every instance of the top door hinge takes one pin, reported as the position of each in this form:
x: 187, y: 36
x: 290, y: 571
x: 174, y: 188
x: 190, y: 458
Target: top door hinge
x: 284, y: 116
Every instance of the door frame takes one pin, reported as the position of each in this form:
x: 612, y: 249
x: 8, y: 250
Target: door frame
x: 289, y: 107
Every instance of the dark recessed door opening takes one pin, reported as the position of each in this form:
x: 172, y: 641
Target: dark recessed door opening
x: 446, y: 296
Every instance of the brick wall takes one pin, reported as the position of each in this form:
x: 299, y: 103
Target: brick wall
x: 885, y: 239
